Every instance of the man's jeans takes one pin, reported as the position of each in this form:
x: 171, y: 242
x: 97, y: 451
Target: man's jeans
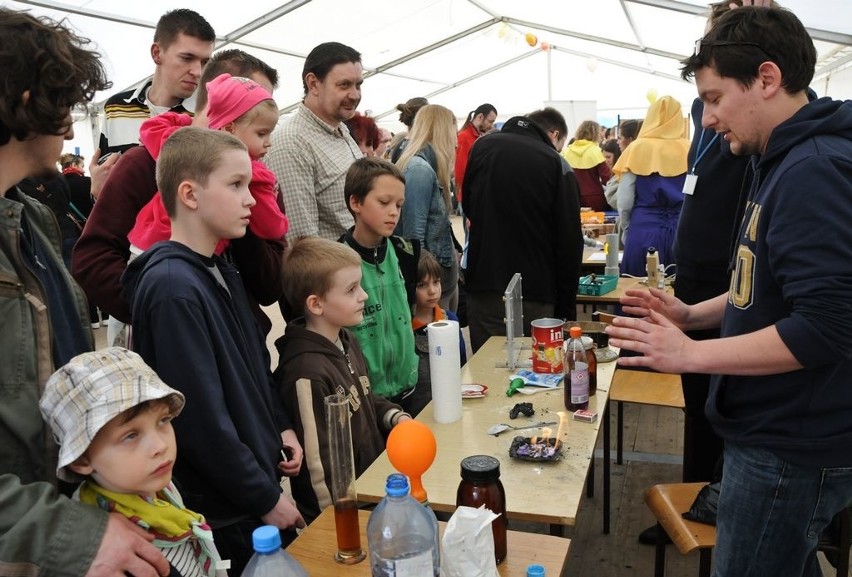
x: 771, y: 514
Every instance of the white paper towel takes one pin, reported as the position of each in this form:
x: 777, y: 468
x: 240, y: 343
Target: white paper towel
x: 445, y: 368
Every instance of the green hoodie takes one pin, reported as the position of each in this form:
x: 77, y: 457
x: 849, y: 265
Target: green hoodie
x: 385, y: 333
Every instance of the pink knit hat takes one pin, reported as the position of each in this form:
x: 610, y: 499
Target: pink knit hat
x: 229, y: 97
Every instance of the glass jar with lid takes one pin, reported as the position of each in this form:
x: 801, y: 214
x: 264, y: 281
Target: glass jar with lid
x: 481, y: 485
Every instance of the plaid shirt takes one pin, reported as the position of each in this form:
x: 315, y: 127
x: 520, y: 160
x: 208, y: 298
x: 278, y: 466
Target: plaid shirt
x: 310, y: 159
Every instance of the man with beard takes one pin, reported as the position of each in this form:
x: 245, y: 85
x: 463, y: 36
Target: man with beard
x: 312, y: 149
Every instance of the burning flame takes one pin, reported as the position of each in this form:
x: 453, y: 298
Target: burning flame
x: 562, y: 418
x: 546, y: 431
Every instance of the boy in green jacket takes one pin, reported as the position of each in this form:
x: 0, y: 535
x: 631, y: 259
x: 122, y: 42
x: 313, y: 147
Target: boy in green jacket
x: 375, y: 191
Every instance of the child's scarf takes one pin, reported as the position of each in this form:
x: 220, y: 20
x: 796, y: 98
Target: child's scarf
x: 164, y: 516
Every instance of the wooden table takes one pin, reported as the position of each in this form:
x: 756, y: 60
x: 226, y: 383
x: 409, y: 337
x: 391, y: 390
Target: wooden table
x: 317, y: 544
x: 612, y: 297
x: 541, y: 492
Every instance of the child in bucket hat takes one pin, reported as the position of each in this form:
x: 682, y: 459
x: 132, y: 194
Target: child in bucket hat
x: 111, y: 416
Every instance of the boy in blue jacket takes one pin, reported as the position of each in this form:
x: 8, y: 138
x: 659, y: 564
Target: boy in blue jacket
x: 194, y: 327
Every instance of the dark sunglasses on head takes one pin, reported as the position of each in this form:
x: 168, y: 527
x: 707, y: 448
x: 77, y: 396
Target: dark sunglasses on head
x: 701, y: 42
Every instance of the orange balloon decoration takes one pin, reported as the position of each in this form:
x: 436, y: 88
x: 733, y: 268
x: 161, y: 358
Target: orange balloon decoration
x: 411, y: 449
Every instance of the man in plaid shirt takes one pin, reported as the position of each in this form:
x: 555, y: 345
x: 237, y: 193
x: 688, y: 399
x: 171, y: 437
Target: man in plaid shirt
x: 312, y: 149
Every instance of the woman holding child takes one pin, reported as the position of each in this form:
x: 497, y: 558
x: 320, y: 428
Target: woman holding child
x: 427, y: 164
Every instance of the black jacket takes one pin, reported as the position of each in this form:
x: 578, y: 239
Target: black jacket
x: 204, y: 341
x: 523, y: 204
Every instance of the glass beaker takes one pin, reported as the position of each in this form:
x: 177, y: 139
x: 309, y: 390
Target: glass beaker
x: 343, y: 493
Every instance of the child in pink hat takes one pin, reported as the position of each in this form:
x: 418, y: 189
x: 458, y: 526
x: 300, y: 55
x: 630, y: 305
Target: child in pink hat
x: 245, y: 109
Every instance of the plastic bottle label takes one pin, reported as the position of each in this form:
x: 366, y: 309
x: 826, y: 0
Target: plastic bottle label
x: 419, y: 565
x: 580, y: 383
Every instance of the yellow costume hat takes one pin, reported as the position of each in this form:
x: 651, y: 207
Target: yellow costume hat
x: 660, y: 146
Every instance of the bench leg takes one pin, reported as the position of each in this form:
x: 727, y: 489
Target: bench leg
x: 660, y: 553
x: 704, y: 562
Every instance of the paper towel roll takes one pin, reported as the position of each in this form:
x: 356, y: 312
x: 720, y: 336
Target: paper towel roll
x: 445, y: 369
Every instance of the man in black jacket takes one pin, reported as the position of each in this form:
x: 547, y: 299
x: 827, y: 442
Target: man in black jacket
x: 523, y: 204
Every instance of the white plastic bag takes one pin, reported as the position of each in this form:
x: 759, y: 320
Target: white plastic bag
x: 467, y: 549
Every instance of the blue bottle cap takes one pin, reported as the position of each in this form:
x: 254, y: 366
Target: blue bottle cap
x: 535, y: 571
x: 396, y: 485
x: 266, y: 539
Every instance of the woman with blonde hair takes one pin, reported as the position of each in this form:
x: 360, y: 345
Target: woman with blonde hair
x: 427, y: 164
x: 590, y: 167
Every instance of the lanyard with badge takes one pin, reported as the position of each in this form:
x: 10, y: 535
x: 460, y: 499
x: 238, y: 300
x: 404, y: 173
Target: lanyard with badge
x: 692, y: 178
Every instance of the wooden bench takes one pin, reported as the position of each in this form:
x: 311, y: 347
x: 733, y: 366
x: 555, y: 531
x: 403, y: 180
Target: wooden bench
x: 641, y: 387
x: 669, y: 502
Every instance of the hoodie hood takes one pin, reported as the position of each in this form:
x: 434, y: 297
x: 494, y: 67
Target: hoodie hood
x: 155, y: 131
x: 298, y: 340
x: 525, y: 126
x: 583, y: 154
x: 136, y: 268
x: 821, y: 116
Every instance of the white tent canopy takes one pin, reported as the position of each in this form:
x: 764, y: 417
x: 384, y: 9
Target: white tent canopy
x: 459, y: 53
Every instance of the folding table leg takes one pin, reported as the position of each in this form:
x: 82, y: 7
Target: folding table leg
x: 606, y: 468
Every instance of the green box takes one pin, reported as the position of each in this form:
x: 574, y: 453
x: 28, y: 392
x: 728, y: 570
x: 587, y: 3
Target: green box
x: 602, y: 284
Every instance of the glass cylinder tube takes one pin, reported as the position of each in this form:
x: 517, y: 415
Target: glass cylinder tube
x: 343, y: 492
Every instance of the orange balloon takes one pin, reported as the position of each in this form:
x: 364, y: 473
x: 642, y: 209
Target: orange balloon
x: 531, y: 38
x: 411, y: 450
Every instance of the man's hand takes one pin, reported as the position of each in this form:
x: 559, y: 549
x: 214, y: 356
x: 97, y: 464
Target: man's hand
x: 126, y: 549
x: 640, y: 303
x: 664, y: 346
x: 284, y: 515
x: 291, y: 466
x: 100, y: 172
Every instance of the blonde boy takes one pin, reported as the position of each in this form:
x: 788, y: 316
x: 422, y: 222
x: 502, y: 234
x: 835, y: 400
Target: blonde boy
x: 318, y: 357
x: 193, y: 325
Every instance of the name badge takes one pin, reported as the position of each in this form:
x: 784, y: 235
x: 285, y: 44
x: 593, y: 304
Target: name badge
x: 689, y: 183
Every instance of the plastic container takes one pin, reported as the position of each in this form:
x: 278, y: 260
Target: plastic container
x: 535, y: 571
x: 402, y: 535
x: 576, y: 372
x: 269, y: 559
x: 596, y: 285
x: 481, y: 485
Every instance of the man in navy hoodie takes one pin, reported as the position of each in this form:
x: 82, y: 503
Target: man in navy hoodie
x: 781, y: 399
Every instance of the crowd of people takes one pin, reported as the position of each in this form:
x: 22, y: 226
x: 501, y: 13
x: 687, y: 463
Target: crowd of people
x: 203, y: 205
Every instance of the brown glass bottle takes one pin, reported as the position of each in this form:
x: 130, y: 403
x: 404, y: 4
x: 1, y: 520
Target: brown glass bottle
x: 589, y: 346
x: 481, y: 485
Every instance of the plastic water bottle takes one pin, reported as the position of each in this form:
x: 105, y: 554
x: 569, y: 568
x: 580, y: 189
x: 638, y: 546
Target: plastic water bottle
x: 269, y: 559
x: 402, y: 535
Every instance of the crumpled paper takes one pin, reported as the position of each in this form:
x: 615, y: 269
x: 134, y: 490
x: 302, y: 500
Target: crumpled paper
x: 467, y: 549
